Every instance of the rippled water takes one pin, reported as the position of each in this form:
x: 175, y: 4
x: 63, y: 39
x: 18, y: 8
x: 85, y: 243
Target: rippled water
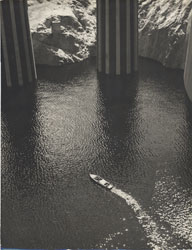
x: 136, y: 133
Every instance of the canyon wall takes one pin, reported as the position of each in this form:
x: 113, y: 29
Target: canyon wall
x: 64, y: 31
x: 162, y: 30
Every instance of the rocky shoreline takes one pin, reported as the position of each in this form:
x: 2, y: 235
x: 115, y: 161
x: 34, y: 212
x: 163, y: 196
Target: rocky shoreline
x: 64, y: 31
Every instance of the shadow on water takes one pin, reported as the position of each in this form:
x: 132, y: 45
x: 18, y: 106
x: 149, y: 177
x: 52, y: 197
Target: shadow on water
x: 116, y: 104
x: 21, y: 132
x: 23, y: 179
x: 118, y: 89
x: 19, y: 123
x: 67, y: 73
x: 124, y: 158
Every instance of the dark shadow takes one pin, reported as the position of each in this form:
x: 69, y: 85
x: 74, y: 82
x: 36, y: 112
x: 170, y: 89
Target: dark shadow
x: 20, y: 181
x: 117, y: 108
x: 117, y: 88
x: 19, y: 136
x: 65, y: 73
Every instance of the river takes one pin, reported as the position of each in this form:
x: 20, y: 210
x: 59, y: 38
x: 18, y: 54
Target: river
x: 134, y: 132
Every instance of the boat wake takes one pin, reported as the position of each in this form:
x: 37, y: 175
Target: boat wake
x: 160, y: 235
x: 154, y: 235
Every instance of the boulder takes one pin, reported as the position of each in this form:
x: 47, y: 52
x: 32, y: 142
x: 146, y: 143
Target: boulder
x: 62, y: 33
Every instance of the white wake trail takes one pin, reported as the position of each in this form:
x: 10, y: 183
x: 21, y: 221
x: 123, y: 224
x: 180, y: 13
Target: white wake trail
x: 156, y: 240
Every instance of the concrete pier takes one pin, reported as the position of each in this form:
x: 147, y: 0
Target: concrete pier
x: 188, y: 64
x: 117, y: 36
x: 18, y: 67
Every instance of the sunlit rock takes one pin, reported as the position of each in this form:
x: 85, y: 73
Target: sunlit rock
x: 62, y: 31
x: 162, y: 30
x: 66, y: 29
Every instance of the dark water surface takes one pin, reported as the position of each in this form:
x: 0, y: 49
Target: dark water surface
x: 136, y: 133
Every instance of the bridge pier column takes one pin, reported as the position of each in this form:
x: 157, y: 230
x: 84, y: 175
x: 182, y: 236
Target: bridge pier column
x: 18, y: 67
x: 188, y: 63
x: 117, y: 36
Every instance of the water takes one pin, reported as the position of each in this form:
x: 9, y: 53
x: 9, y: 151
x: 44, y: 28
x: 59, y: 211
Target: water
x: 135, y: 133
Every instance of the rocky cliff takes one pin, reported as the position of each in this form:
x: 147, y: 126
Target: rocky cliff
x: 64, y: 31
x: 162, y: 30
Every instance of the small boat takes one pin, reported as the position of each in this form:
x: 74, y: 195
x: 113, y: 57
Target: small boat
x: 101, y: 181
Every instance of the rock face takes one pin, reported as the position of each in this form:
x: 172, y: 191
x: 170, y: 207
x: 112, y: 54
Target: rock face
x: 64, y: 31
x: 162, y: 30
x: 188, y: 63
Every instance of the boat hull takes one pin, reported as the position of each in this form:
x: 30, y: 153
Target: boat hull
x: 100, y: 181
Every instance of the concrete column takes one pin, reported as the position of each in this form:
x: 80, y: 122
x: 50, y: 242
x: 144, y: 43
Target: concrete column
x: 117, y: 36
x: 18, y: 68
x: 188, y: 64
